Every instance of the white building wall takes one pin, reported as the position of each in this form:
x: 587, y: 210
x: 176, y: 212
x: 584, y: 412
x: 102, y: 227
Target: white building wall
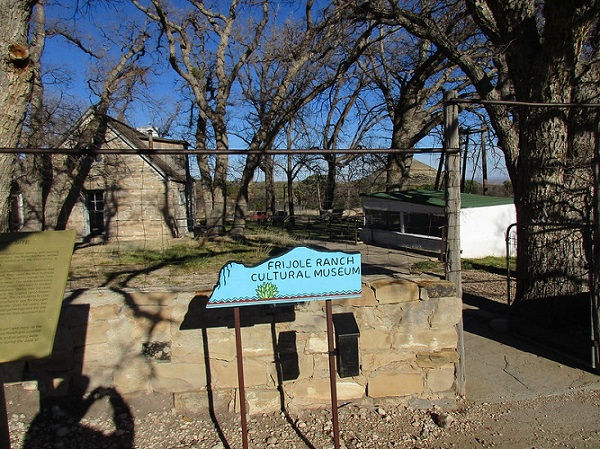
x: 482, y: 230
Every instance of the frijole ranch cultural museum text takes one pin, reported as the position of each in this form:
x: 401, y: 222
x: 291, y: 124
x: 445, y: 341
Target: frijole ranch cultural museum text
x: 301, y: 274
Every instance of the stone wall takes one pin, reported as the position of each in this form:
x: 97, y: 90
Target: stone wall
x: 167, y: 344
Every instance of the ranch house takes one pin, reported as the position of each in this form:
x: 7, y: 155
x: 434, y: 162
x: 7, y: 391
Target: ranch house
x: 107, y: 196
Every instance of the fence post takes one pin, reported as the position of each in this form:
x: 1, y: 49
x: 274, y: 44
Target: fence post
x: 452, y: 153
x: 595, y: 293
x: 453, y: 266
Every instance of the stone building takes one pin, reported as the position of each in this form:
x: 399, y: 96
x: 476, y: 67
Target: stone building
x: 106, y: 196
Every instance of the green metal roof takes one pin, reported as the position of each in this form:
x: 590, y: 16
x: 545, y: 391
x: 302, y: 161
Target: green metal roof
x: 436, y: 198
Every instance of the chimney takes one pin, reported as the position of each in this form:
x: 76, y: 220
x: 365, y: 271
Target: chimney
x: 150, y: 141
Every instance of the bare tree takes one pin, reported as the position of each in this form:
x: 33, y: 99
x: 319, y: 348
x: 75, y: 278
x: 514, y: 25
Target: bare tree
x: 543, y: 52
x: 409, y: 73
x: 346, y: 107
x: 207, y: 48
x: 300, y: 61
x: 294, y: 164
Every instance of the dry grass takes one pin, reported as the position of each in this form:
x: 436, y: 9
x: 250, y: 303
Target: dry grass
x: 167, y: 263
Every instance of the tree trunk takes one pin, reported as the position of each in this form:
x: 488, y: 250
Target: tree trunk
x: 269, y: 183
x: 212, y: 190
x: 16, y: 80
x: 398, y: 171
x: 241, y: 203
x: 553, y: 174
x: 290, y: 192
x: 553, y: 204
x: 330, y: 183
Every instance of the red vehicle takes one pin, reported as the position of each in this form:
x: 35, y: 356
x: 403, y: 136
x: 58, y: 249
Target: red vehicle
x: 262, y: 217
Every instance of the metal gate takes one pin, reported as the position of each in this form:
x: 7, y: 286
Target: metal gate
x: 574, y: 330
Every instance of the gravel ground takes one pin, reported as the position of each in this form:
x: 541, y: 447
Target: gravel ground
x: 570, y: 420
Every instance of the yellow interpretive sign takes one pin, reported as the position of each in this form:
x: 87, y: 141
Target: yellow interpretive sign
x: 33, y: 274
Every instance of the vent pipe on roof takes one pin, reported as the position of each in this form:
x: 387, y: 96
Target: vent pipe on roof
x: 150, y: 141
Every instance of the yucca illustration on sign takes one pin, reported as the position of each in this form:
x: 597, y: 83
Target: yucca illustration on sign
x: 266, y: 290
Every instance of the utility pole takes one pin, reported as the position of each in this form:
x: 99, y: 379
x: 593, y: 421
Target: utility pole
x: 484, y: 162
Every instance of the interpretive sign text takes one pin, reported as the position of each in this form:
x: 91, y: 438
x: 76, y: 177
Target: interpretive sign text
x: 302, y: 274
x: 33, y: 274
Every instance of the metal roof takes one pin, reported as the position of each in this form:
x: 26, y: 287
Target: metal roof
x: 436, y: 198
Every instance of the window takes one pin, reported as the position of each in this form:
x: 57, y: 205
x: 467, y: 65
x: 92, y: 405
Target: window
x: 16, y: 211
x: 406, y: 222
x: 425, y: 224
x: 95, y: 206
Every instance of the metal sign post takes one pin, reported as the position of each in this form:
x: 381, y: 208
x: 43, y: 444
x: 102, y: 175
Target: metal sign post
x: 300, y: 275
x: 240, y: 370
x: 332, y: 375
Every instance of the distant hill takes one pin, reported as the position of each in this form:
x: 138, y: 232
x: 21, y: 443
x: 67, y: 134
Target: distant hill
x: 420, y: 175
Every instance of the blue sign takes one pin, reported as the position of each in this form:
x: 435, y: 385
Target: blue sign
x: 302, y: 274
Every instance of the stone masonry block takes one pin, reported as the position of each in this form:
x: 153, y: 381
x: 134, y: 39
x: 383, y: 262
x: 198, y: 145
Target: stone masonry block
x: 104, y: 312
x: 262, y: 401
x: 418, y: 314
x: 435, y: 288
x: 448, y: 312
x: 349, y: 389
x: 400, y: 384
x: 257, y: 372
x: 372, y: 361
x: 221, y: 344
x: 310, y: 321
x: 96, y: 333
x: 133, y: 377
x: 142, y: 299
x: 437, y: 359
x: 188, y: 347
x: 309, y: 391
x: 372, y: 340
x: 440, y: 379
x: 257, y: 340
x: 317, y: 344
x: 318, y: 391
x: 297, y: 367
x: 178, y: 377
x: 434, y: 339
x: 197, y: 402
x: 393, y: 291
x: 388, y: 316
x: 144, y: 331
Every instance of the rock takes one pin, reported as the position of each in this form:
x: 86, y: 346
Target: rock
x: 443, y: 420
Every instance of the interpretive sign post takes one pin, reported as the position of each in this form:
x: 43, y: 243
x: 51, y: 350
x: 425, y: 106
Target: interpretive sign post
x: 302, y: 274
x: 33, y: 274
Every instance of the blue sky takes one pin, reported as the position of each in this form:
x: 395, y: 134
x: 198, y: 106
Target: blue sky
x: 77, y: 66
